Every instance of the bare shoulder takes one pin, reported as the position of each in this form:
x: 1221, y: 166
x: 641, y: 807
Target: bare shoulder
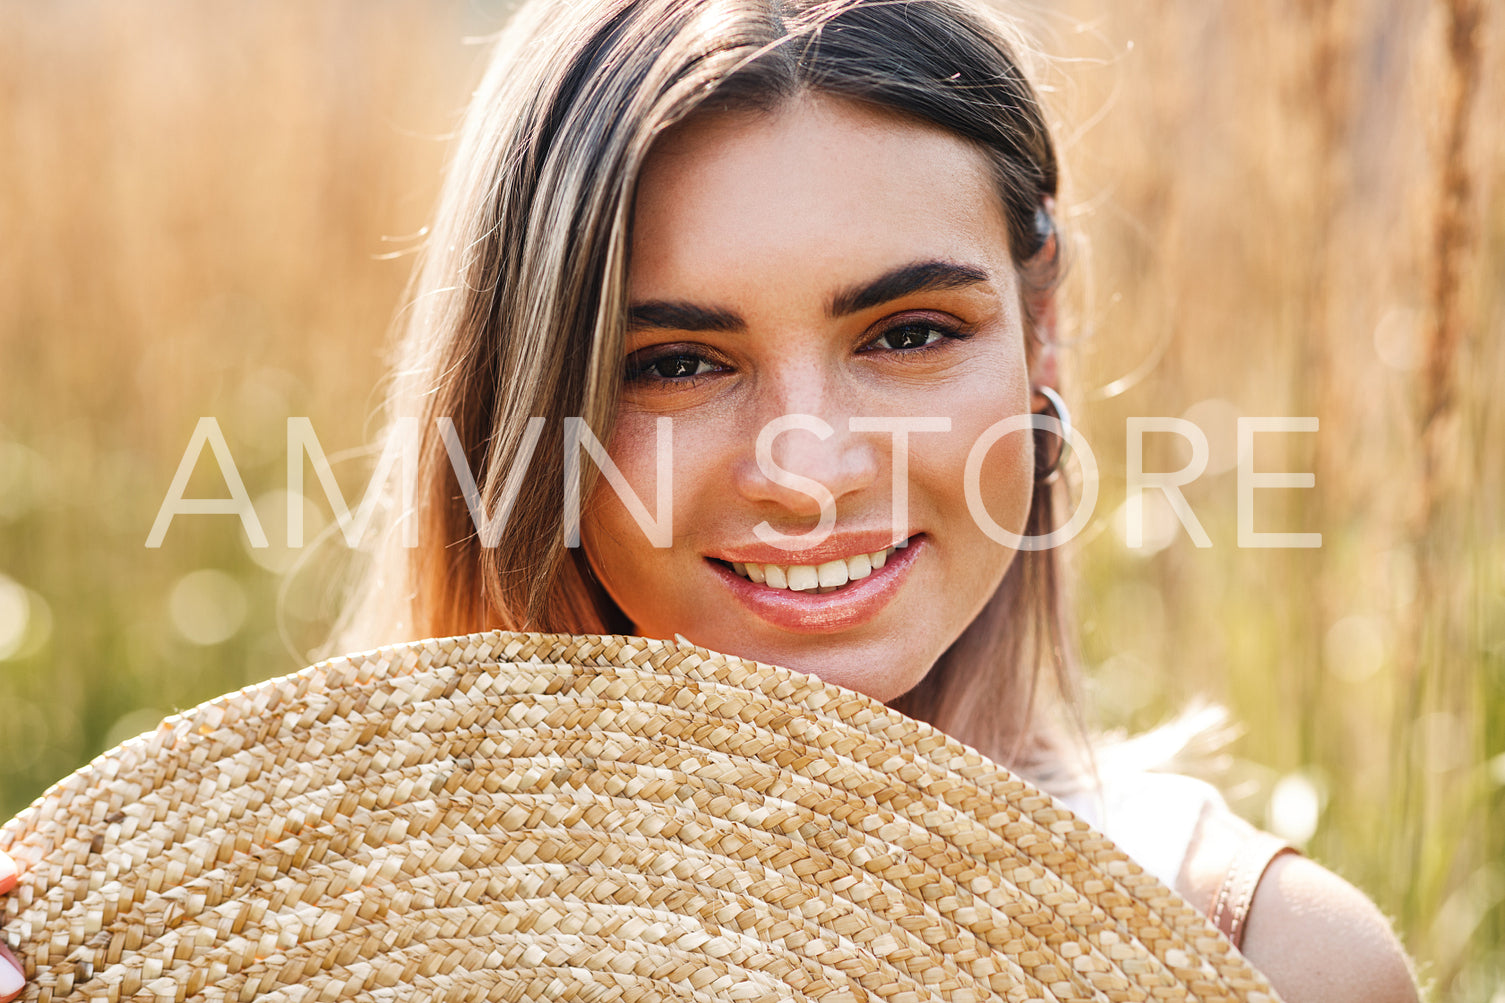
x: 1312, y: 934
x: 1317, y: 937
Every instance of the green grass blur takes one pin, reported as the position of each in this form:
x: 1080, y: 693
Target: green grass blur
x: 1274, y: 210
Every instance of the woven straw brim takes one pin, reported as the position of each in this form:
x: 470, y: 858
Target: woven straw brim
x: 528, y: 817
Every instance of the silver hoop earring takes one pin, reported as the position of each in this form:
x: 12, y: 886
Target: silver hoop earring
x: 1048, y: 463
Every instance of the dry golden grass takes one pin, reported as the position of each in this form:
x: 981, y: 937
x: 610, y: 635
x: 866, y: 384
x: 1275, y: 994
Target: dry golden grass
x: 1277, y: 210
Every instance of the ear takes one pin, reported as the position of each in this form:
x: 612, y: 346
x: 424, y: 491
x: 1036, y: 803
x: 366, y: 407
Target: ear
x: 1044, y: 368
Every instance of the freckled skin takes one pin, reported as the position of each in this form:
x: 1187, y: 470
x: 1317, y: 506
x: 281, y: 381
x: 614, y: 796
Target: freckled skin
x: 767, y: 215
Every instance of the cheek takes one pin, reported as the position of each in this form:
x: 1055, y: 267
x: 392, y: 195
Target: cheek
x: 1004, y: 466
x: 616, y: 544
x: 640, y: 577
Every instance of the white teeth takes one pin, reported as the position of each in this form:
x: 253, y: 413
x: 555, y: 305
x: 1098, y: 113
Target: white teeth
x: 832, y: 573
x: 827, y: 577
x: 802, y: 578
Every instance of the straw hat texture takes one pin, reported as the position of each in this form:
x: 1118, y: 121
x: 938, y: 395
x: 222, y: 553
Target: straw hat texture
x: 509, y: 816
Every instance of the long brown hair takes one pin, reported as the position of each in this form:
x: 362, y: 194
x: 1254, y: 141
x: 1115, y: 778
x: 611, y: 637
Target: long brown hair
x: 518, y: 308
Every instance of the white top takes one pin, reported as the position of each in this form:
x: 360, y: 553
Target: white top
x: 1151, y: 816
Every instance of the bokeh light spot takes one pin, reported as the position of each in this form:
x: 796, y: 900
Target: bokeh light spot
x: 207, y: 606
x: 1295, y: 808
x: 277, y: 556
x: 15, y: 615
x: 1354, y: 648
x: 1161, y: 524
x: 1439, y: 742
x: 131, y: 724
x: 1218, y: 420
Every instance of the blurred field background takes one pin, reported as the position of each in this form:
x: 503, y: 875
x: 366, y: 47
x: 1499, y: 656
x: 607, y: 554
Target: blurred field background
x: 1283, y: 209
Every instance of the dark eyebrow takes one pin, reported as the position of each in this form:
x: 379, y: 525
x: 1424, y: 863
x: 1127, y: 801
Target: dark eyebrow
x: 677, y: 315
x: 916, y: 277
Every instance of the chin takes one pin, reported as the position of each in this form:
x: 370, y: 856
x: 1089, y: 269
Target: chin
x: 881, y: 665
x: 849, y: 670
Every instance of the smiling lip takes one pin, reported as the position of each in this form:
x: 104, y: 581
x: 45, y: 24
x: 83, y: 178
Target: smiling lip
x: 835, y: 547
x: 823, y: 613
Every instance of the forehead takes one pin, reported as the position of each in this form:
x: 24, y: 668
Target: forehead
x: 823, y: 184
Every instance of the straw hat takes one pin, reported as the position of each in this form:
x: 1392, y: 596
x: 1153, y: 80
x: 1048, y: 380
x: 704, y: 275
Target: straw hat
x: 524, y: 817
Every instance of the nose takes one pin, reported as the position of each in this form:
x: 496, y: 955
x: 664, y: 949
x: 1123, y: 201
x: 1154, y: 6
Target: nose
x: 798, y: 461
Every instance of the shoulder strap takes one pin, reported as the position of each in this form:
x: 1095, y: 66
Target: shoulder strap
x: 1230, y: 907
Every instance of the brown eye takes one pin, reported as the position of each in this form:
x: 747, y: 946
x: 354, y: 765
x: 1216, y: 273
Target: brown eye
x: 907, y: 337
x: 679, y: 366
x: 669, y: 367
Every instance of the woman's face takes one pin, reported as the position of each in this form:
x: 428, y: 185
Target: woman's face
x: 773, y: 273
